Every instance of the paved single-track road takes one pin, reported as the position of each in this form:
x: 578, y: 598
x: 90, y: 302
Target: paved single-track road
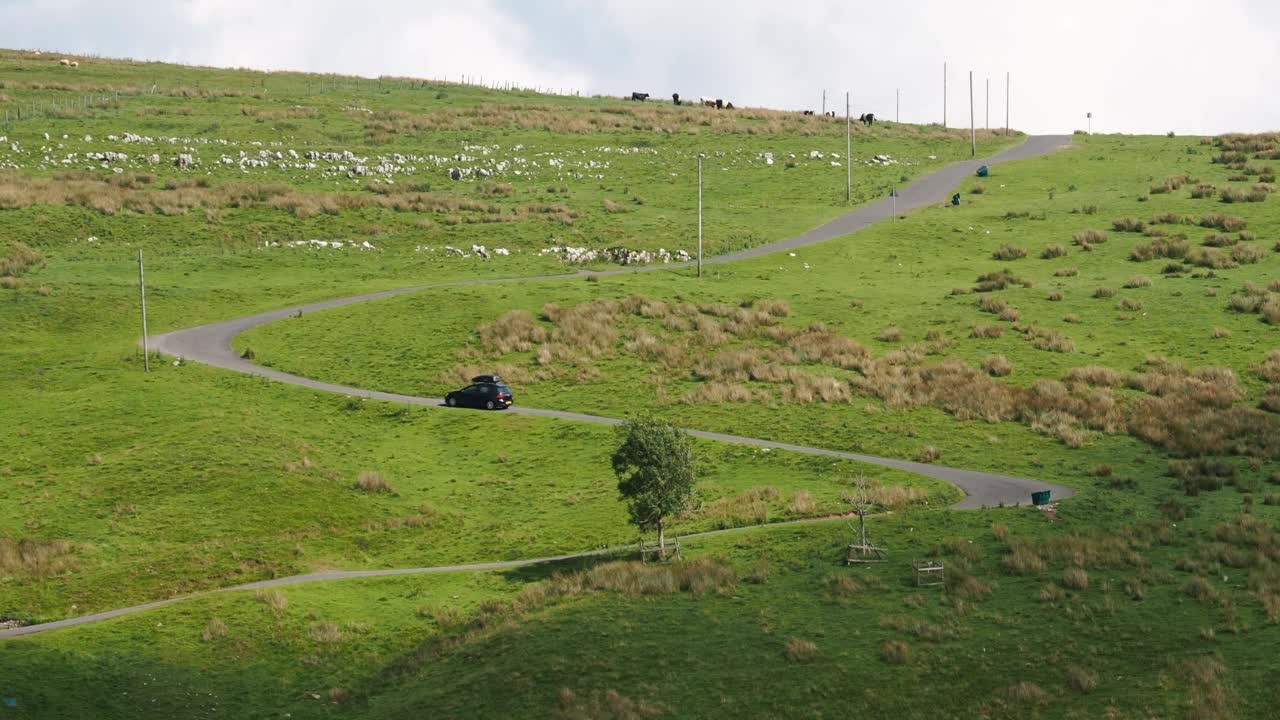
x: 211, y: 345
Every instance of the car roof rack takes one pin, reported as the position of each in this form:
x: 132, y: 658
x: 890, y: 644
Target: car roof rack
x: 494, y: 379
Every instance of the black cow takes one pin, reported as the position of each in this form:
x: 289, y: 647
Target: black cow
x: 832, y: 113
x: 719, y: 104
x: 675, y: 98
x: 867, y: 119
x: 807, y: 112
x: 639, y: 96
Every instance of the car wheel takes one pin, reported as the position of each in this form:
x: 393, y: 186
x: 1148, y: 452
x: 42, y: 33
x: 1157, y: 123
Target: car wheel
x: 451, y: 402
x: 489, y: 405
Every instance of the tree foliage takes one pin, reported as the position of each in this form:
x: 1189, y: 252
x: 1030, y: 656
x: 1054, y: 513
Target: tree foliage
x: 656, y: 469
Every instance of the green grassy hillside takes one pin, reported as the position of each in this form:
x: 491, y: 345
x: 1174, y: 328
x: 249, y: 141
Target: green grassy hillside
x: 977, y: 335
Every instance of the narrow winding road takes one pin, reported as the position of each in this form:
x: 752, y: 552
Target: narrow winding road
x: 211, y: 345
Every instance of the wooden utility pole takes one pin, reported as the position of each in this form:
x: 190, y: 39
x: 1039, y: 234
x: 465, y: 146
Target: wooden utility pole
x: 1008, y: 80
x: 824, y: 102
x: 848, y: 151
x: 699, y: 215
x: 142, y: 290
x: 897, y: 105
x: 944, y: 94
x: 987, y: 124
x: 973, y: 128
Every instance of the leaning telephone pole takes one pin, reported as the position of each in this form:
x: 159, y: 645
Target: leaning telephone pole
x: 142, y: 291
x: 973, y: 128
x: 699, y: 215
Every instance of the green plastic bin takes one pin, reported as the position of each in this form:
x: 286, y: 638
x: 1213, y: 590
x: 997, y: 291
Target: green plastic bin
x: 983, y: 171
x: 1040, y: 497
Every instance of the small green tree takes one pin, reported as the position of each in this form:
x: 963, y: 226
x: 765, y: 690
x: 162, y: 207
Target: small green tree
x: 656, y: 469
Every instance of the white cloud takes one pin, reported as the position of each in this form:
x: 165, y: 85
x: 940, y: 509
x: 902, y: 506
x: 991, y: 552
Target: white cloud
x: 1138, y: 66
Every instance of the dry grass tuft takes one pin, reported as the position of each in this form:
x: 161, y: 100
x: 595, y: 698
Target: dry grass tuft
x: 998, y: 280
x: 1053, y: 251
x: 802, y: 503
x: 325, y: 632
x: 890, y: 334
x: 606, y: 705
x: 1023, y: 559
x: 213, y: 630
x: 800, y: 651
x: 273, y: 599
x: 1102, y: 293
x: 1137, y: 281
x: 1223, y: 222
x: 1026, y: 693
x: 1052, y: 341
x: 986, y: 331
x: 371, y: 481
x: 1220, y: 333
x: 1009, y: 252
x: 997, y: 366
x: 1246, y: 254
x: 1082, y: 680
x: 35, y: 558
x: 1211, y: 258
x: 699, y: 576
x: 1066, y: 272
x: 1130, y: 304
x: 1075, y: 579
x: 928, y: 454
x: 1172, y: 247
x: 895, y: 652
x: 19, y: 259
x: 1089, y: 237
x: 1240, y: 195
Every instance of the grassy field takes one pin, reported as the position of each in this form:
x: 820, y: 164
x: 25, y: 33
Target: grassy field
x: 1152, y: 593
x: 896, y: 301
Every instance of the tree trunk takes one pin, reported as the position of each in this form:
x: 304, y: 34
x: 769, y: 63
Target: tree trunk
x: 862, y: 520
x: 662, y: 541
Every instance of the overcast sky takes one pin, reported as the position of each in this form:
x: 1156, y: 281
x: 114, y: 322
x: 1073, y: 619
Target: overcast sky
x: 1184, y: 65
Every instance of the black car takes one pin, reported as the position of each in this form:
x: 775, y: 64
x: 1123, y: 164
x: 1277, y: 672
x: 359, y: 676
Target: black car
x: 487, y: 395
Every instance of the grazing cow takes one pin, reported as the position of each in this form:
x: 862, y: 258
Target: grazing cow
x: 707, y: 102
x: 639, y: 96
x: 64, y: 61
x: 675, y: 98
x: 867, y: 119
x: 719, y: 104
x: 728, y: 106
x: 807, y: 112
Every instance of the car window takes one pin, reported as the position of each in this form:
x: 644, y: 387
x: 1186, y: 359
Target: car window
x: 471, y: 389
x: 505, y: 389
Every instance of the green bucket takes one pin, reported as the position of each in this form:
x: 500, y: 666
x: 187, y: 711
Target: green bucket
x: 1040, y: 497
